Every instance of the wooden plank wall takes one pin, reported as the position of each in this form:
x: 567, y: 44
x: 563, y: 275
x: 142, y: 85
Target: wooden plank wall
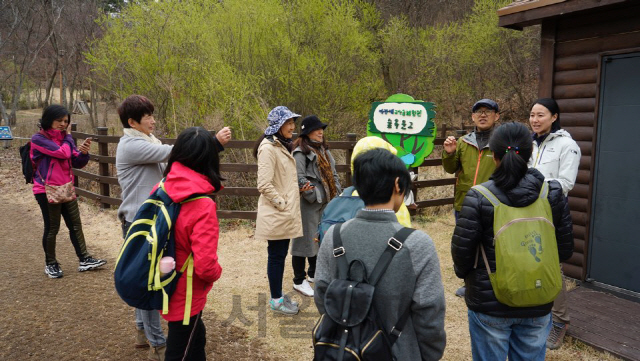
x: 580, y: 42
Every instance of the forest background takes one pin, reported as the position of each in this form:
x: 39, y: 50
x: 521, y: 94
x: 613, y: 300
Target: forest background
x: 213, y: 62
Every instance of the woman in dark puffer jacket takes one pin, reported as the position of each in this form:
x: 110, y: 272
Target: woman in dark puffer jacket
x: 498, y: 330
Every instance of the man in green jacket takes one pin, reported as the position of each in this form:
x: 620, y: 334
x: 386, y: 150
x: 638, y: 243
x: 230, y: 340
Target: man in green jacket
x: 470, y: 155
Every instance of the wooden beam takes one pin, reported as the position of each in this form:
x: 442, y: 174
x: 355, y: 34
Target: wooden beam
x: 577, y: 62
x: 526, y: 5
x: 547, y: 55
x: 518, y: 20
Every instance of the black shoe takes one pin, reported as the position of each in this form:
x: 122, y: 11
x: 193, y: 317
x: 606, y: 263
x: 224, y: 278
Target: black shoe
x: 90, y: 263
x: 53, y: 270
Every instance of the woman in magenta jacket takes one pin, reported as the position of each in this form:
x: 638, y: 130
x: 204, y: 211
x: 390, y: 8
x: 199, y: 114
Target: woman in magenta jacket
x: 54, y: 153
x: 193, y: 168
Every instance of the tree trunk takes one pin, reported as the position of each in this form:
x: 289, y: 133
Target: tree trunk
x: 4, y: 117
x: 16, y: 97
x: 92, y: 109
x: 47, y: 98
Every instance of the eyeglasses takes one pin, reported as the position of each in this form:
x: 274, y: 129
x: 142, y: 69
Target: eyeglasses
x: 484, y: 112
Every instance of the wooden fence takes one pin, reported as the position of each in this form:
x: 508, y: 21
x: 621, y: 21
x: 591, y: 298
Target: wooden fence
x: 105, y: 179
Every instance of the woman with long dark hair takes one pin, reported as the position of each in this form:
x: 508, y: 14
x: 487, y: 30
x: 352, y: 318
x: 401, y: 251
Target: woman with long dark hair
x: 54, y: 154
x: 278, y: 218
x: 557, y: 156
x: 193, y: 169
x: 316, y: 168
x: 497, y: 329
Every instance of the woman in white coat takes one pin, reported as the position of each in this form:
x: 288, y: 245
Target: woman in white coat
x: 557, y: 156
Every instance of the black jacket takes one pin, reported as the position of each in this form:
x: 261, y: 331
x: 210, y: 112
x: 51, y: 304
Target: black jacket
x: 475, y: 225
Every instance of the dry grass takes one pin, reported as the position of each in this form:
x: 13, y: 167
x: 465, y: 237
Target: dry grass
x: 244, y: 282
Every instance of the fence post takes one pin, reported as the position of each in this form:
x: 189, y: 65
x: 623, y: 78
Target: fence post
x: 103, y: 149
x: 74, y: 128
x: 444, y: 131
x: 351, y: 137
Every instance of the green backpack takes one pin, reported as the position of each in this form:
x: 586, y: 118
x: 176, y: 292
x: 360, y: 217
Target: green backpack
x: 527, y: 265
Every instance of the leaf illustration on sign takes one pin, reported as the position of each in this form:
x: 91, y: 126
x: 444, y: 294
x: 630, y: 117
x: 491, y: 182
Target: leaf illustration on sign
x: 405, y: 123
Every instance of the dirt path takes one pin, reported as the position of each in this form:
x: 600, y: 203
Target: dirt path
x: 80, y: 316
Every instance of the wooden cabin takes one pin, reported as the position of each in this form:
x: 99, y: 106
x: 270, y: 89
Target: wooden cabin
x: 590, y: 63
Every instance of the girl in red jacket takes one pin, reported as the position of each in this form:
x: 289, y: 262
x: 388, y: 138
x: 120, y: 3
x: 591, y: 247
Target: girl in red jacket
x: 193, y: 168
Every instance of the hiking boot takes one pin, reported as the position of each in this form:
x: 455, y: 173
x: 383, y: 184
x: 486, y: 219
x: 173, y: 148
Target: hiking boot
x: 290, y: 301
x: 554, y: 340
x: 141, y: 340
x: 90, y: 263
x: 157, y: 353
x: 460, y: 291
x: 279, y: 305
x: 304, y: 288
x: 53, y: 270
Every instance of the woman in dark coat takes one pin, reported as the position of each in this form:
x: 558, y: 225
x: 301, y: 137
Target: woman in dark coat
x: 316, y: 168
x: 498, y: 330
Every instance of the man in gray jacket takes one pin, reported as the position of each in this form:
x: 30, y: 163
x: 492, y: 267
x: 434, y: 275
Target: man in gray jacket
x: 140, y: 161
x: 412, y: 280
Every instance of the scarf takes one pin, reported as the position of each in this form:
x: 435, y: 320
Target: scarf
x: 136, y: 133
x: 325, y: 170
x: 286, y: 142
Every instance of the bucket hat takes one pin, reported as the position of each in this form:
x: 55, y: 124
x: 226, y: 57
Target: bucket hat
x: 277, y: 116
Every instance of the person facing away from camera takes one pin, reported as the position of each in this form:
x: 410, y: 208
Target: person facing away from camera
x: 497, y: 330
x: 315, y: 167
x: 278, y: 219
x: 412, y: 280
x: 54, y: 154
x: 470, y: 156
x: 557, y: 156
x: 140, y: 163
x: 193, y: 169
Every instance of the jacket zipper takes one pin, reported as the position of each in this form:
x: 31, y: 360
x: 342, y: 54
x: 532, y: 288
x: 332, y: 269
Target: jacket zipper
x: 531, y: 219
x: 477, y: 167
x: 542, y: 146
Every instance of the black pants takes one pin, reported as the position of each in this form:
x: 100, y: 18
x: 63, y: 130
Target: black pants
x: 186, y: 342
x: 298, y: 268
x: 277, y: 254
x: 51, y: 216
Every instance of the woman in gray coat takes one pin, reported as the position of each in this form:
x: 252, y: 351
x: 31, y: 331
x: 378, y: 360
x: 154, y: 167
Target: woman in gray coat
x: 316, y: 168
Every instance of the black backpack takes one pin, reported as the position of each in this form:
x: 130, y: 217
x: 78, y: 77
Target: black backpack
x: 350, y: 328
x: 27, y: 164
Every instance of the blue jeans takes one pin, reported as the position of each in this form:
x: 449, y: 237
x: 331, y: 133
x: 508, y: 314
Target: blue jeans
x: 277, y: 251
x: 495, y: 338
x: 149, y: 321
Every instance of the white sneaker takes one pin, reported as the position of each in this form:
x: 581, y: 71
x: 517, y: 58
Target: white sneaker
x: 310, y: 279
x: 304, y: 288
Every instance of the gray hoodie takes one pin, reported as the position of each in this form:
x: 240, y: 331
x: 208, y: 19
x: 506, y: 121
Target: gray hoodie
x: 411, y: 280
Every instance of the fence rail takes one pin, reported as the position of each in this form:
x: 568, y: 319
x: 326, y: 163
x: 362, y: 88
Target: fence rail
x: 105, y: 179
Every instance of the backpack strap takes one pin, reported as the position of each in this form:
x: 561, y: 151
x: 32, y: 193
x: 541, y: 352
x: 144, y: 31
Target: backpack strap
x: 394, y: 244
x: 544, y: 190
x: 338, y: 252
x: 189, y: 294
x: 487, y: 194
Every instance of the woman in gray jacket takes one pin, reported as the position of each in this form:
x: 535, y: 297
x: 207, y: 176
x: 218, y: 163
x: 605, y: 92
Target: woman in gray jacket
x: 316, y: 168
